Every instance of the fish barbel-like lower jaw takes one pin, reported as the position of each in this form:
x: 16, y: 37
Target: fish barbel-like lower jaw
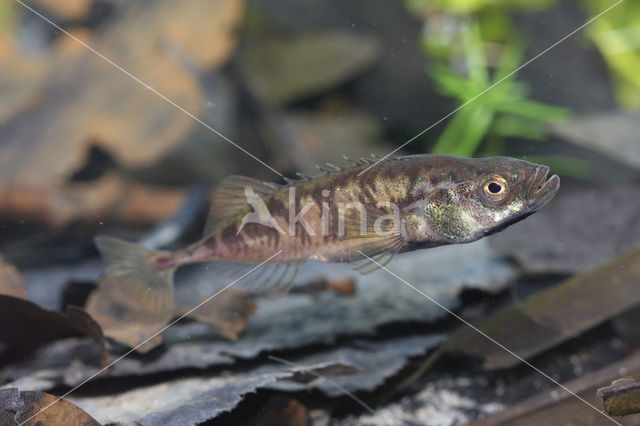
x: 543, y: 189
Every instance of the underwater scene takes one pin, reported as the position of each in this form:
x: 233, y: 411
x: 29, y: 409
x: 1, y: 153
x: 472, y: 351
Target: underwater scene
x: 320, y: 213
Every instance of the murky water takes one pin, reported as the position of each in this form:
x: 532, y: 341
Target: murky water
x: 124, y: 119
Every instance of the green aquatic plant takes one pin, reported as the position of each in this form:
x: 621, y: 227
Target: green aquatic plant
x: 616, y: 34
x: 503, y: 111
x: 8, y: 15
x: 444, y: 20
x: 564, y: 165
x: 474, y: 6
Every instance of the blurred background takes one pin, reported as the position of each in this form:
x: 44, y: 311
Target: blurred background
x: 131, y: 143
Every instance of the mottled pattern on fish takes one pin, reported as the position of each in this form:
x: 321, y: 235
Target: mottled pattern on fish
x: 428, y: 181
x: 385, y: 183
x: 437, y: 200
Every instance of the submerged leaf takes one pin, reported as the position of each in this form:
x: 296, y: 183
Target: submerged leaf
x: 127, y: 322
x: 557, y: 240
x: 24, y: 326
x: 562, y: 408
x: 622, y: 396
x: 68, y: 10
x: 80, y: 100
x: 555, y: 315
x: 613, y: 134
x: 122, y: 319
x: 285, y: 69
x: 227, y: 314
x: 110, y: 199
x: 297, y: 320
x: 10, y: 281
x: 39, y: 408
x: 362, y: 366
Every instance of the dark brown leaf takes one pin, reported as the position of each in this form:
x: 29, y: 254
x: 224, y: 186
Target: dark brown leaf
x: 25, y: 326
x: 622, y: 396
x: 40, y: 409
x: 282, y: 411
x: 227, y: 314
x: 558, y: 407
x: 10, y: 281
x: 343, y: 286
x: 122, y: 319
x: 80, y: 100
x: 555, y: 315
x: 68, y: 9
x: 111, y: 198
x: 126, y: 322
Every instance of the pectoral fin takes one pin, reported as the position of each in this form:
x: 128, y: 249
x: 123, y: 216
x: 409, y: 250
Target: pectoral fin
x: 375, y: 240
x: 377, y: 252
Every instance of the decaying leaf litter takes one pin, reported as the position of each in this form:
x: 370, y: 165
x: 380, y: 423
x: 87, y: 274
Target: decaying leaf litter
x: 369, y: 339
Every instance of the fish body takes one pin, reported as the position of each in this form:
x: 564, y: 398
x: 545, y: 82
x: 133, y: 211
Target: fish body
x: 348, y: 214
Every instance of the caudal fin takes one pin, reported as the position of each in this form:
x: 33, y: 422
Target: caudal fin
x: 133, y: 269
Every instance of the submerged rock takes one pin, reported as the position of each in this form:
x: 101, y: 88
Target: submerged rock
x: 286, y: 69
x: 576, y: 232
x: 614, y: 134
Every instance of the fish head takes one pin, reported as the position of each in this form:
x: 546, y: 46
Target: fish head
x: 481, y: 196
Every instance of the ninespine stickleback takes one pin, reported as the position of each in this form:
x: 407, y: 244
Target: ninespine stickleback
x: 401, y: 204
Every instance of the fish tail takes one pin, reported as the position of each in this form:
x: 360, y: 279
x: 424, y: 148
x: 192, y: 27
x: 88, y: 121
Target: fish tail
x: 137, y: 274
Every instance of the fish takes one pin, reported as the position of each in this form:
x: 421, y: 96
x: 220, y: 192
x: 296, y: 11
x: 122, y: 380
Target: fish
x: 363, y: 213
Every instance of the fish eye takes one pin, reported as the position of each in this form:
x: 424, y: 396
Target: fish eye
x: 495, y: 186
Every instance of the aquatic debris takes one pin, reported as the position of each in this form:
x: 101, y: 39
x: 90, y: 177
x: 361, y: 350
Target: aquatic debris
x: 554, y: 315
x: 361, y: 366
x: 111, y: 199
x: 285, y: 69
x: 39, y: 408
x: 11, y: 282
x: 25, y: 326
x: 614, y: 134
x: 557, y: 240
x: 622, y: 396
x: 78, y: 100
x: 558, y: 407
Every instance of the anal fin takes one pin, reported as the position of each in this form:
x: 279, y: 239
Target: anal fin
x: 269, y: 280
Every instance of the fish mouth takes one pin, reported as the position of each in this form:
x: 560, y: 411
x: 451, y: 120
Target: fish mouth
x: 541, y: 192
x: 542, y: 189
